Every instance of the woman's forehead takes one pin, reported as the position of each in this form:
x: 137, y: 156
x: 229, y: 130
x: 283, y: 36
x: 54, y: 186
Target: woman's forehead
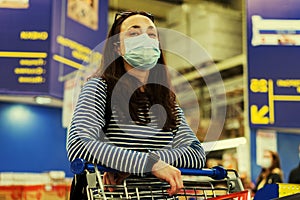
x: 137, y: 20
x: 267, y: 153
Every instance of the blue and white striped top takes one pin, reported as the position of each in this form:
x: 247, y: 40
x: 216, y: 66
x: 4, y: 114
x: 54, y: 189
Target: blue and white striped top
x: 125, y: 146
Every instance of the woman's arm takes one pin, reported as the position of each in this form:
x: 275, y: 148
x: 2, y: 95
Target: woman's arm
x: 187, y: 151
x: 275, y: 177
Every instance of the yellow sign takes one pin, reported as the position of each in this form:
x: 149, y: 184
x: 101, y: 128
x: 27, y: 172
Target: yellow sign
x: 266, y: 113
x: 258, y: 116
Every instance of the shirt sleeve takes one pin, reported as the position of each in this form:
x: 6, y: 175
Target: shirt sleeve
x: 187, y: 151
x: 275, y: 178
x: 86, y: 139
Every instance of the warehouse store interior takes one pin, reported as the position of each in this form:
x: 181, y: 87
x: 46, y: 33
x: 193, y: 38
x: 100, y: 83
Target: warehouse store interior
x: 238, y: 96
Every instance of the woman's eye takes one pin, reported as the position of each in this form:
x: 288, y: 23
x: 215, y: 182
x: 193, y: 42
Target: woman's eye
x: 134, y: 34
x: 152, y: 35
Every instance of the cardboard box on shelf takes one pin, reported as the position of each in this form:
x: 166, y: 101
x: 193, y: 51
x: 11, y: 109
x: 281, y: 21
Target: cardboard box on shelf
x: 57, y: 192
x: 34, y: 186
x: 32, y: 192
x: 35, y: 192
x: 10, y: 192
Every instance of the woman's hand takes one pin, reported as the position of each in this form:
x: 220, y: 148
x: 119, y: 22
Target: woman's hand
x: 169, y: 174
x: 114, y: 178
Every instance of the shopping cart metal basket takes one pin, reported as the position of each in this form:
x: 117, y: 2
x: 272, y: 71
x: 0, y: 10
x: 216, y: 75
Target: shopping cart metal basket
x: 199, y: 184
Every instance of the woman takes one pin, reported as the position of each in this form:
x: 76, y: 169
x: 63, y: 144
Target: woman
x: 126, y: 117
x: 271, y: 170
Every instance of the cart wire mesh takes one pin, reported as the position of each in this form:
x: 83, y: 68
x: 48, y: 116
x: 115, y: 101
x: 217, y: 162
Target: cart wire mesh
x: 199, y: 184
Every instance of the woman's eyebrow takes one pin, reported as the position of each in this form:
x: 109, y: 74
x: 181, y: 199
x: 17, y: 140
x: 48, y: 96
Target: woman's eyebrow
x: 138, y: 26
x: 134, y: 26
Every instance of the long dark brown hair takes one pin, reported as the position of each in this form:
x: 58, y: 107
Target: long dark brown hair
x: 112, y: 69
x: 276, y: 160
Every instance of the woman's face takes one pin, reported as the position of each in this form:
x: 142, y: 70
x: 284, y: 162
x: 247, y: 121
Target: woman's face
x: 267, y: 155
x: 267, y: 160
x: 134, y: 26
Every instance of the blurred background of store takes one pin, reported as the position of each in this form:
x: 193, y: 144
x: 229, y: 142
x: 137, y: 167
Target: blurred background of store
x: 34, y: 117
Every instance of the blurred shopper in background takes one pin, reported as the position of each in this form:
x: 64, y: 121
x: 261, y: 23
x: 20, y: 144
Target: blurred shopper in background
x: 294, y: 176
x: 271, y: 170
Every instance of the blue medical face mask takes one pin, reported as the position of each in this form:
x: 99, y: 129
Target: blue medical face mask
x: 141, y: 52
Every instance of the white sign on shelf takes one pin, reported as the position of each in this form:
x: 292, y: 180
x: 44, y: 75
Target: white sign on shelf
x: 265, y: 140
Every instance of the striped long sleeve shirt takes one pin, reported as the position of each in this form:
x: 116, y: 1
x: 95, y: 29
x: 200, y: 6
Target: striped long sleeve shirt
x: 125, y: 146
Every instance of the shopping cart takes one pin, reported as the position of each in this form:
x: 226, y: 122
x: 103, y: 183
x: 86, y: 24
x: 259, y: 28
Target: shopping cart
x: 216, y: 183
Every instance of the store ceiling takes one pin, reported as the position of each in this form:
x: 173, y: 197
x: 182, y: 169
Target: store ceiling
x: 160, y: 8
x: 157, y: 8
